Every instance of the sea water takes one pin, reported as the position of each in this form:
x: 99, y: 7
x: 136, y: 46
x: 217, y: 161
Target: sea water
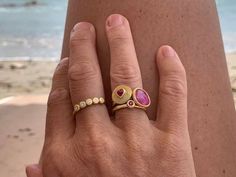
x: 37, y: 31
x: 227, y: 14
x: 32, y: 31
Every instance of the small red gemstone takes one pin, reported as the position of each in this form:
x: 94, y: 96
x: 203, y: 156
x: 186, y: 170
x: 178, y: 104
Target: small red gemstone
x: 120, y: 92
x: 131, y: 103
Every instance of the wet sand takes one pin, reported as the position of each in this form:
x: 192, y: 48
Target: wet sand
x: 22, y: 133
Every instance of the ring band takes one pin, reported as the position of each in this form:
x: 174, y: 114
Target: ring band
x: 130, y: 104
x: 89, y: 102
x: 124, y: 97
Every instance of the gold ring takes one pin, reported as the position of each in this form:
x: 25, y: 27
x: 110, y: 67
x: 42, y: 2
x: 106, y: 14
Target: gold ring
x: 124, y: 97
x: 130, y: 104
x: 121, y: 94
x: 88, y: 102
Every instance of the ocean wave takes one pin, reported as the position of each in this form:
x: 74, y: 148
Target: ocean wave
x: 31, y: 47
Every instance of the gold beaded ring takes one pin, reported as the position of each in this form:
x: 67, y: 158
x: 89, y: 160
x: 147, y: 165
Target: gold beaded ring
x: 89, y: 102
x: 130, y: 104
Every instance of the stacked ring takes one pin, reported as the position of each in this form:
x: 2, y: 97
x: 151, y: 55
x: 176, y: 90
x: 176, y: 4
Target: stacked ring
x: 88, y: 102
x: 124, y: 97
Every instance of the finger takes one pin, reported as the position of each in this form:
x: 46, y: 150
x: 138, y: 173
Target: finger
x: 33, y: 171
x: 124, y: 64
x: 60, y: 122
x: 172, y: 108
x: 84, y: 73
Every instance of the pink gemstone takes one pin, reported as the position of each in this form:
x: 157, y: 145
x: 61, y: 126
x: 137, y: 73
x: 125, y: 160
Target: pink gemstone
x: 120, y: 92
x: 142, y: 97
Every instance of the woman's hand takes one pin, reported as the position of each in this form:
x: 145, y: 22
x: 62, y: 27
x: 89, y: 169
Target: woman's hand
x: 94, y: 145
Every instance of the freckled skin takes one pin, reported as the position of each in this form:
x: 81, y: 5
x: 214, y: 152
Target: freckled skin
x: 192, y: 28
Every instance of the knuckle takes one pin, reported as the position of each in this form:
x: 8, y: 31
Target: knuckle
x: 81, y: 38
x: 125, y: 73
x: 118, y: 37
x: 174, y: 69
x: 83, y: 71
x: 174, y: 86
x: 141, y: 147
x: 59, y: 79
x: 97, y: 143
x: 57, y: 96
x: 61, y: 70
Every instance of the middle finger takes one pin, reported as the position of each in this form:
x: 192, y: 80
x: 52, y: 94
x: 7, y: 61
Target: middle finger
x: 124, y: 64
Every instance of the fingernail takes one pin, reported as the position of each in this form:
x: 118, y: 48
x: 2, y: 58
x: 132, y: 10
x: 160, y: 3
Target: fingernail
x: 115, y: 20
x: 83, y: 26
x: 34, y: 167
x: 168, y: 51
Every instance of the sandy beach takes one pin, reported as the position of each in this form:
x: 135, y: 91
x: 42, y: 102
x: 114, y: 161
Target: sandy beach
x: 25, y: 77
x: 231, y: 62
x: 24, y: 86
x: 34, y: 77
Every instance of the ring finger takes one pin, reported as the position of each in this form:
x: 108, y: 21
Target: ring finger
x: 85, y: 77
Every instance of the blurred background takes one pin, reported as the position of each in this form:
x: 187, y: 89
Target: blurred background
x: 31, y: 33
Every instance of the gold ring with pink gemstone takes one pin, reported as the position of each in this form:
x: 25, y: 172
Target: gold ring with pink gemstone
x: 124, y: 97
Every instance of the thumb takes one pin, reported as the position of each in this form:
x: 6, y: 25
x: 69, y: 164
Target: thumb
x: 172, y: 108
x: 34, y: 171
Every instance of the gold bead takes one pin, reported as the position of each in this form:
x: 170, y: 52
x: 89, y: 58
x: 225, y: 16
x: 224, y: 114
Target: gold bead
x: 101, y: 100
x: 95, y: 100
x: 77, y: 108
x: 82, y: 104
x: 89, y: 102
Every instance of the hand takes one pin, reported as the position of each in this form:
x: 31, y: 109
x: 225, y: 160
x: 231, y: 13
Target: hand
x: 93, y: 145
